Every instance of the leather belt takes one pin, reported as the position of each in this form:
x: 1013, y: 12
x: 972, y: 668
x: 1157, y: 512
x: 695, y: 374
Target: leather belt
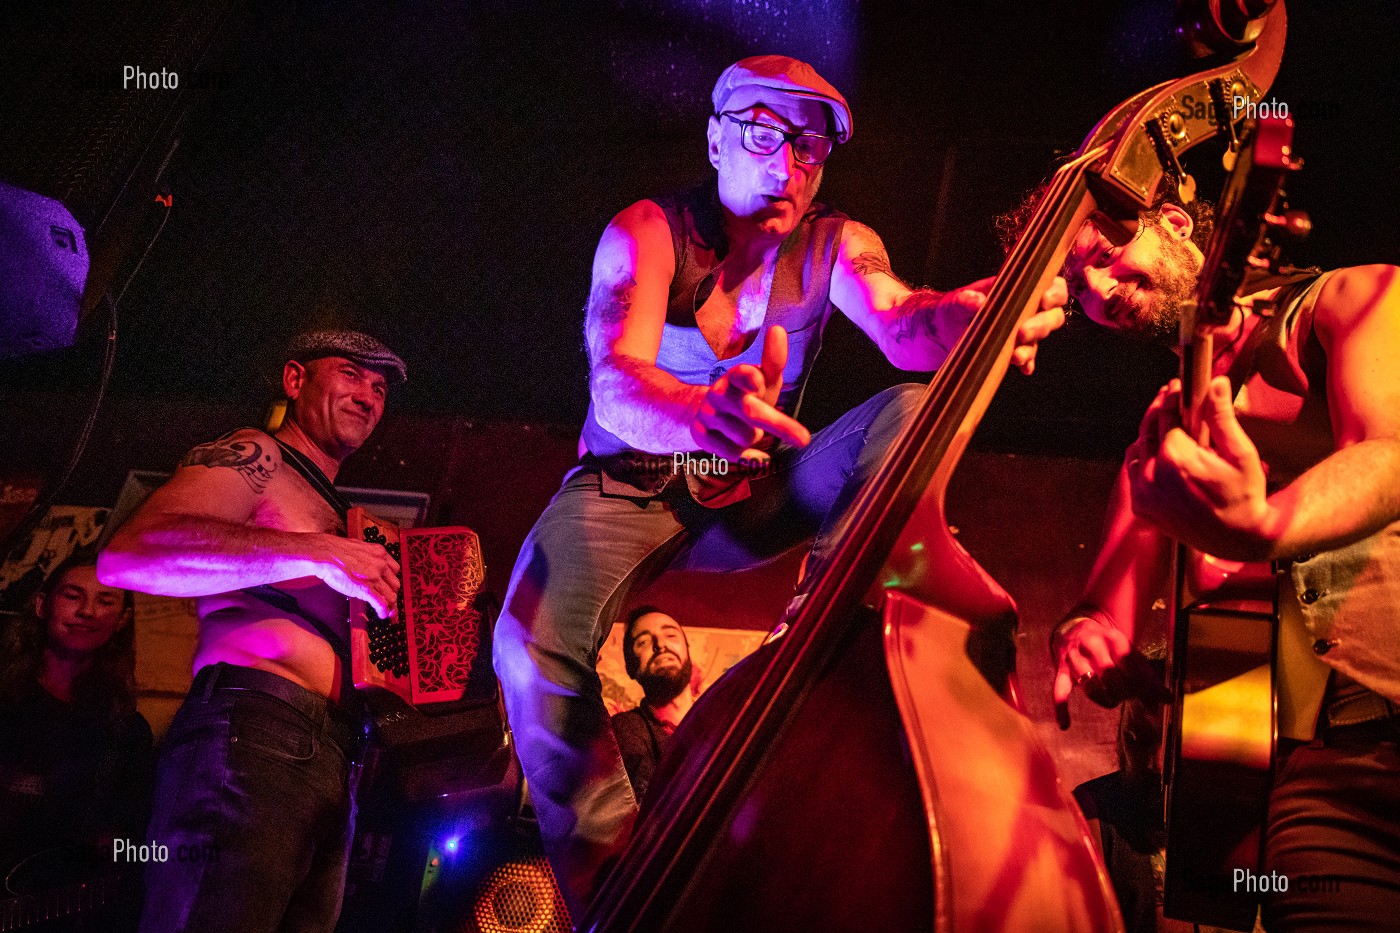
x: 1358, y: 709
x: 345, y: 725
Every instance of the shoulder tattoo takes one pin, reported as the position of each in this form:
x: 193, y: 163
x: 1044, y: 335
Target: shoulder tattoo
x: 248, y: 458
x: 873, y: 261
x: 873, y: 258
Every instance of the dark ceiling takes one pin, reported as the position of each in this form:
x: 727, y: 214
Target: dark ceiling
x: 439, y: 173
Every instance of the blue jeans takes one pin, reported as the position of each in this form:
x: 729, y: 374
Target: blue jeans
x: 572, y: 578
x: 255, y: 810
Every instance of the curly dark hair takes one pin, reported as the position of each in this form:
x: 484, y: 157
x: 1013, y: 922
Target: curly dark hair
x: 1011, y: 224
x: 107, y: 687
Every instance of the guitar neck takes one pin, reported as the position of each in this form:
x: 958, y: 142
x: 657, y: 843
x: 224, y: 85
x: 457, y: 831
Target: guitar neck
x: 1197, y: 364
x: 19, y: 913
x: 1197, y: 358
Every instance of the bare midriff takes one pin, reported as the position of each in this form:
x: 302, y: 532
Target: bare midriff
x: 240, y: 629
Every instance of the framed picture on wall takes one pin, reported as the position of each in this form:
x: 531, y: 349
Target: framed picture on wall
x: 64, y: 530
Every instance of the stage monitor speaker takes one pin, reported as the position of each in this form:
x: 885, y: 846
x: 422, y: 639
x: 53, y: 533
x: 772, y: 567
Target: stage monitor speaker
x: 486, y: 872
x: 43, y: 267
x: 85, y: 147
x: 519, y: 895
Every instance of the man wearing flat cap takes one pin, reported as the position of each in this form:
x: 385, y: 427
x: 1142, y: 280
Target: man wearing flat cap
x: 704, y: 319
x: 258, y: 772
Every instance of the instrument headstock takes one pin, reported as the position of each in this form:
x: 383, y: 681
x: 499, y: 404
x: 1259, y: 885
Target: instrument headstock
x: 1143, y: 138
x: 1251, y: 218
x: 1251, y: 215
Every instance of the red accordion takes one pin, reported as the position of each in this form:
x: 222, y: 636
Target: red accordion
x: 427, y: 652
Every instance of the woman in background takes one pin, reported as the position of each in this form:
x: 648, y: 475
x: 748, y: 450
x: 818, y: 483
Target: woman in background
x: 75, y: 755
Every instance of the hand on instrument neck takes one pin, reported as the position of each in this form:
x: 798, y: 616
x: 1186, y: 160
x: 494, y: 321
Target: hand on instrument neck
x: 1211, y: 497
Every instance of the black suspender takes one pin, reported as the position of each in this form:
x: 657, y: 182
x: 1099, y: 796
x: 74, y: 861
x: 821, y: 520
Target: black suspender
x: 313, y: 475
x: 285, y: 601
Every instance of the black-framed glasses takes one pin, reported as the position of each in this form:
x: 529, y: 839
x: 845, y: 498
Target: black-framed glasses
x: 765, y: 139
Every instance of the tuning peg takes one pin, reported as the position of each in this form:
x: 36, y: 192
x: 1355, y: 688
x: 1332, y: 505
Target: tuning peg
x: 1223, y: 112
x: 1186, y: 188
x: 1157, y: 131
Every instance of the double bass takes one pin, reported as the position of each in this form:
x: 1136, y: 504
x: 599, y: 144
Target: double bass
x: 871, y: 769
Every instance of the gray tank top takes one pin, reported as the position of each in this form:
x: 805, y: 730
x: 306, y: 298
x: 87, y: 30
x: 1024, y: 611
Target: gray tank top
x: 797, y: 300
x: 1349, y: 597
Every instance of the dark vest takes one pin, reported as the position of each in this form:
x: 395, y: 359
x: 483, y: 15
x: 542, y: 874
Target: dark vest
x: 1348, y: 598
x: 798, y: 300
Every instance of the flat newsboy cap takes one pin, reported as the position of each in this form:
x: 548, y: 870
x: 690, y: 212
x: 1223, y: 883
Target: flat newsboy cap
x: 351, y: 344
x: 787, y: 76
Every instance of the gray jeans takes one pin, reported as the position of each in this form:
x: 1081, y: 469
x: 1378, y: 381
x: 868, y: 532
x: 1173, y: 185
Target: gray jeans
x: 572, y: 578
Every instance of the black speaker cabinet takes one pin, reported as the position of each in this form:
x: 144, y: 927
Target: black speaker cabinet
x: 469, y: 861
x: 510, y: 889
x: 85, y: 140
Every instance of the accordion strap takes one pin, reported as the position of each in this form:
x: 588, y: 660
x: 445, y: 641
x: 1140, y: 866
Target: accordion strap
x: 280, y: 599
x: 313, y: 475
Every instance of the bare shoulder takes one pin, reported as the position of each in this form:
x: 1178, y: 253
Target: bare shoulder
x: 248, y: 453
x: 862, y: 248
x: 642, y: 215
x: 224, y: 479
x: 631, y: 273
x: 639, y: 233
x: 857, y: 237
x: 1354, y: 296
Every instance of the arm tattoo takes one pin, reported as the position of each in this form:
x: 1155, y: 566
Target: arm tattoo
x: 611, y: 301
x: 608, y: 305
x: 873, y: 261
x: 246, y: 457
x: 918, y: 316
x: 873, y: 258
